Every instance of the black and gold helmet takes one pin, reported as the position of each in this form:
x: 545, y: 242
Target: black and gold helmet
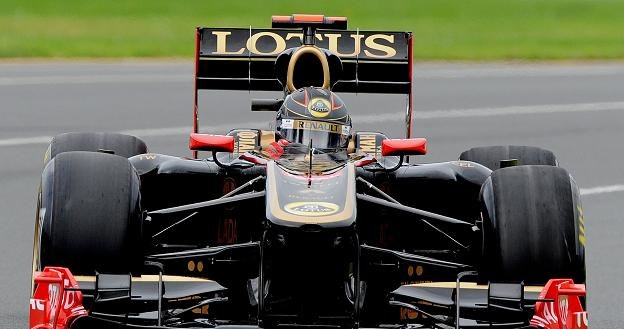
x: 314, y: 115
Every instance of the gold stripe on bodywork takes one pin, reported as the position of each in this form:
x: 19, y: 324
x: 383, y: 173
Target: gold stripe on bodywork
x: 266, y: 138
x: 466, y: 285
x: 148, y: 278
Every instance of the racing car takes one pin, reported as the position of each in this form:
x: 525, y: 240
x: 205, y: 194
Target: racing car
x: 309, y: 224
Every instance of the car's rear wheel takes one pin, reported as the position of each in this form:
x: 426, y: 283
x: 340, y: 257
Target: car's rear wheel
x: 90, y: 217
x: 123, y: 145
x: 533, y: 226
x: 491, y: 156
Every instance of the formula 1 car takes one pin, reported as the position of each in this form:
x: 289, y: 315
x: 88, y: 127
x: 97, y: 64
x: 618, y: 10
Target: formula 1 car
x: 308, y: 225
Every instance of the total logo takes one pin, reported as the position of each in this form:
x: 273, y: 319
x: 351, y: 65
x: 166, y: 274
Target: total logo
x: 311, y: 208
x: 319, y: 107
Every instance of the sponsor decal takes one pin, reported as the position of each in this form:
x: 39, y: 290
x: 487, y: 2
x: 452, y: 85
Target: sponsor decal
x: 235, y: 42
x: 346, y: 130
x: 288, y: 123
x: 36, y: 304
x: 463, y: 164
x: 367, y: 143
x: 227, y: 231
x: 246, y: 140
x: 581, y: 224
x: 70, y: 300
x: 147, y: 156
x: 319, y: 107
x: 318, y: 126
x: 563, y: 310
x: 581, y: 319
x: 311, y: 208
x: 54, y: 291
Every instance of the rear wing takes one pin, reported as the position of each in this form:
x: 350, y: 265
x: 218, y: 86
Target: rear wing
x: 246, y: 58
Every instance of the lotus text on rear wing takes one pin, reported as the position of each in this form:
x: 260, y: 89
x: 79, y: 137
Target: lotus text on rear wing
x: 272, y: 42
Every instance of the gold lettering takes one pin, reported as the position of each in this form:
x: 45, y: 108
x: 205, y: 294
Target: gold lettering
x: 318, y: 126
x: 247, y: 134
x: 333, y: 44
x: 280, y: 44
x: 294, y: 35
x: 246, y: 141
x: 222, y: 44
x: 246, y: 144
x: 370, y: 43
x: 368, y: 143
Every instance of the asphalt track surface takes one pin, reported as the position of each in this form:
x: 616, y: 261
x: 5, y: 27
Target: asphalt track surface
x: 575, y: 110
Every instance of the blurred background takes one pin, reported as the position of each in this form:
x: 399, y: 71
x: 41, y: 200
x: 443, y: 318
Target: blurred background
x: 445, y: 29
x: 487, y: 72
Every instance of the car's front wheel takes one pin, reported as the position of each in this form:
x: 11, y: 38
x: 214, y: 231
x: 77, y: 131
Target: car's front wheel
x: 533, y: 226
x: 90, y: 215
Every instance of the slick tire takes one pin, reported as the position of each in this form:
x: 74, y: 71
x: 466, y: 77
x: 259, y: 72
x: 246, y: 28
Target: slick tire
x: 533, y: 227
x: 123, y: 145
x: 491, y: 156
x: 90, y: 216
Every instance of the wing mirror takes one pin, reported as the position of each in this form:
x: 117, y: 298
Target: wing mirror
x: 410, y: 146
x: 215, y: 143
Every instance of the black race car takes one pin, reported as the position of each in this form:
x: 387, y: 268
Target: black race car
x: 311, y: 224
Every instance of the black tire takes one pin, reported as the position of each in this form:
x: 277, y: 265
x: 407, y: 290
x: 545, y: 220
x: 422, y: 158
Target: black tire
x: 90, y: 214
x: 490, y: 156
x: 123, y: 145
x: 532, y: 225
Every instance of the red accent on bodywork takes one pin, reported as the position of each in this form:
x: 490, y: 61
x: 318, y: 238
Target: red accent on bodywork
x: 410, y: 96
x: 253, y: 159
x: 410, y: 146
x: 364, y: 162
x: 52, y: 305
x: 206, y: 142
x: 306, y: 18
x: 560, y: 307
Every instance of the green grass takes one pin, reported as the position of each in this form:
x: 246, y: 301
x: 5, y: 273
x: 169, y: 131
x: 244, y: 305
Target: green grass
x: 444, y: 29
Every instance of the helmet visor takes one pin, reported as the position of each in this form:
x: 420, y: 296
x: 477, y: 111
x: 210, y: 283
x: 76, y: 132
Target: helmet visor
x: 323, y: 135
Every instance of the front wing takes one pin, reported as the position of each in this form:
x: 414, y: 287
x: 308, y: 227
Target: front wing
x: 58, y: 302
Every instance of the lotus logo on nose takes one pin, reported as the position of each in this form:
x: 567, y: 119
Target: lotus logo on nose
x: 311, y: 208
x: 319, y: 107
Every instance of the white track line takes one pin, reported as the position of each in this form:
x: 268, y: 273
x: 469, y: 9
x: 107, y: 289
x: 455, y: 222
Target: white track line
x: 602, y: 189
x: 368, y: 119
x: 511, y: 110
x: 493, y: 111
x: 25, y: 141
x: 82, y: 79
x: 434, y: 71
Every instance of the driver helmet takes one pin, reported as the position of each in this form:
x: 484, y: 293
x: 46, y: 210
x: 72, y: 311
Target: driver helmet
x: 314, y: 115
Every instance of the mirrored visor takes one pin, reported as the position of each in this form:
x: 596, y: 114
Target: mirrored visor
x: 322, y: 134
